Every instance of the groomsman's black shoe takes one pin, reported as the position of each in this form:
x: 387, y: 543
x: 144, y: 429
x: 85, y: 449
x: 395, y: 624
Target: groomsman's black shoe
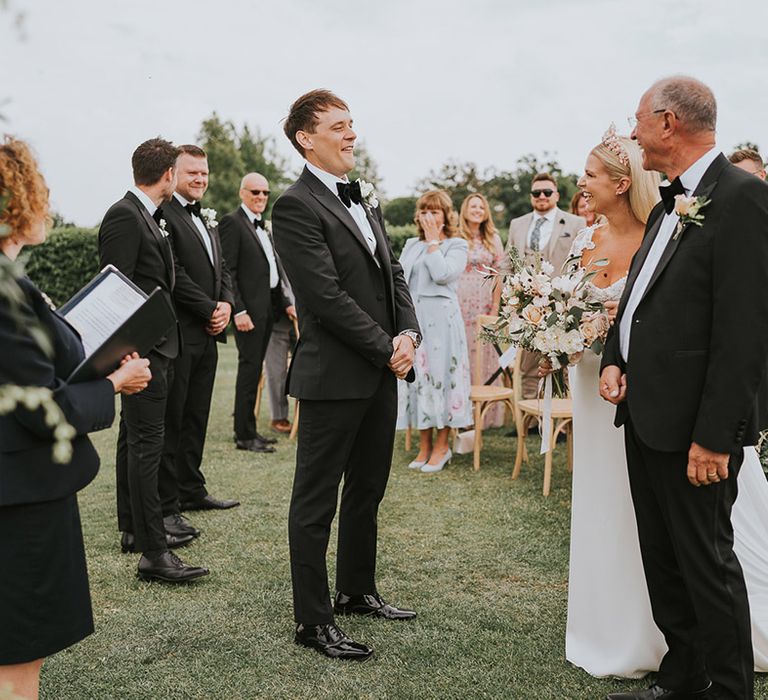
x: 656, y: 692
x: 369, y: 605
x: 266, y: 440
x: 128, y: 542
x: 254, y: 445
x: 177, y: 524
x: 330, y: 641
x: 208, y: 502
x: 169, y: 568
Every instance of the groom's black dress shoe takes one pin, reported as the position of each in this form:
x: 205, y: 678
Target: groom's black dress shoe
x: 254, y: 445
x: 208, y: 502
x: 656, y: 692
x: 370, y: 605
x: 128, y: 542
x: 169, y: 568
x: 177, y: 524
x: 332, y: 642
x: 266, y: 440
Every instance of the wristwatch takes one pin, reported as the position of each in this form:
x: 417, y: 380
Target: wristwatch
x: 415, y: 336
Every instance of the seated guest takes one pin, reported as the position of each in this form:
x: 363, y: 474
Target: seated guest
x: 749, y: 160
x: 579, y: 208
x: 45, y: 604
x: 439, y: 398
x: 477, y: 294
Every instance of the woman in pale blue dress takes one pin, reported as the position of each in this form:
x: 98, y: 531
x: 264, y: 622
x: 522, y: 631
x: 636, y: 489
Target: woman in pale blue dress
x: 439, y: 398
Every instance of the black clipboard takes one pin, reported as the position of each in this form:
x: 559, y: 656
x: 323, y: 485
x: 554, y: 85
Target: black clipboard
x: 142, y: 331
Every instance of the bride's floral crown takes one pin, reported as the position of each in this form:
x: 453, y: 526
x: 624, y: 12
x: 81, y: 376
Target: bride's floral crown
x: 612, y: 142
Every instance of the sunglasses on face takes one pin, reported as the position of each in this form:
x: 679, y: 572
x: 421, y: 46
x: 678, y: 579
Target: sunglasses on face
x: 537, y: 193
x: 256, y: 193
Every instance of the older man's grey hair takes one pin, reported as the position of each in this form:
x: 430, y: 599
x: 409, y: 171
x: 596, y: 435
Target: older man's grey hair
x: 691, y: 100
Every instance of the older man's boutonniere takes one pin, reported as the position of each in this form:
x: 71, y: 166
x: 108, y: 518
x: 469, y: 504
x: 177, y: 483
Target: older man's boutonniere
x: 368, y: 193
x: 689, y: 211
x: 209, y: 216
x: 161, y: 224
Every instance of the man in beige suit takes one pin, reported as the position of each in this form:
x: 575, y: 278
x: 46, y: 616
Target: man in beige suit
x: 549, y: 231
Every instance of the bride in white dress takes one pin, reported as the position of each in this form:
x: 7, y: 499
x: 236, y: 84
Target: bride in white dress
x: 610, y: 630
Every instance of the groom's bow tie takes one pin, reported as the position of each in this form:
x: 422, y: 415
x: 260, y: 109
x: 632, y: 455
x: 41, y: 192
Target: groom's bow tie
x: 349, y: 192
x: 193, y: 209
x: 669, y: 192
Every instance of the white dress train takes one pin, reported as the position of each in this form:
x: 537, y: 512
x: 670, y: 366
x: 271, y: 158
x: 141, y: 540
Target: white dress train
x: 610, y: 630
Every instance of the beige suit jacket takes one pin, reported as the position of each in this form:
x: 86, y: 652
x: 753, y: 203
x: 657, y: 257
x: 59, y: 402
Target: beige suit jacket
x: 564, y: 230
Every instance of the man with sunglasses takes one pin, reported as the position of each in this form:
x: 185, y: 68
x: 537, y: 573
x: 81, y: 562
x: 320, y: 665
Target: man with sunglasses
x: 547, y: 231
x: 246, y: 242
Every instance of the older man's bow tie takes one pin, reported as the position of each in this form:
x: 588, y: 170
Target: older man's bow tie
x: 193, y: 209
x: 349, y: 192
x: 669, y: 192
x: 259, y: 223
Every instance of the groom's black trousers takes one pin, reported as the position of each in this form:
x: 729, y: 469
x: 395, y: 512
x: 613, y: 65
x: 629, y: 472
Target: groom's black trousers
x: 695, y: 581
x: 349, y: 438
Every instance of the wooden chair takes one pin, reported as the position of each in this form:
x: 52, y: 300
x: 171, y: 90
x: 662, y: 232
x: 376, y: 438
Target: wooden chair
x: 532, y: 410
x: 483, y: 394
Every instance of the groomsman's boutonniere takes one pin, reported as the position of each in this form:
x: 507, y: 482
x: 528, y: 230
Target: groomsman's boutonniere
x: 209, y: 216
x: 368, y: 193
x: 161, y: 224
x: 689, y: 211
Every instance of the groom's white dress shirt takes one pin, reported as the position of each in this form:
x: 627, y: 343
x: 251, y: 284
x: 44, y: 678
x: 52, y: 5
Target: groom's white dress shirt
x: 143, y: 197
x: 690, y: 180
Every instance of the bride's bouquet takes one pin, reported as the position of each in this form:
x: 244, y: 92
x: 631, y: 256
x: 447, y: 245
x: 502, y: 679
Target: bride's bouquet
x: 549, y: 314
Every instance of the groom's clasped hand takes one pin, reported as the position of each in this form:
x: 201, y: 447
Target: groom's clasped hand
x: 402, y: 356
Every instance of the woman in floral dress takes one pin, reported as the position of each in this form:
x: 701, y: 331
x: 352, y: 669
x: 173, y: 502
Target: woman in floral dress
x: 478, y: 295
x: 439, y: 398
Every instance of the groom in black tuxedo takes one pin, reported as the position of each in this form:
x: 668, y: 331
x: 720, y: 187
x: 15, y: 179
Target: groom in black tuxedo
x: 358, y: 331
x: 686, y: 363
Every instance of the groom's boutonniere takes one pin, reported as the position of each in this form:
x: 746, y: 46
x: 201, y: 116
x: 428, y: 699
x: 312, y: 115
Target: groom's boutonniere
x: 161, y: 224
x: 689, y: 211
x: 368, y: 193
x: 209, y: 216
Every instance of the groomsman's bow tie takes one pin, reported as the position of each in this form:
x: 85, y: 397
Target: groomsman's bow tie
x: 669, y: 192
x: 259, y: 224
x: 193, y: 209
x: 349, y: 192
x: 158, y: 215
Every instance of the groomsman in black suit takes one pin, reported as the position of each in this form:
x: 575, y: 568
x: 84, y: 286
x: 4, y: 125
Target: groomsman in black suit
x: 195, y: 242
x: 137, y: 244
x: 685, y: 363
x: 358, y: 332
x: 250, y: 255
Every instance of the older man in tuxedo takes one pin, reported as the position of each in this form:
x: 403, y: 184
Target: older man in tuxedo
x: 547, y: 231
x: 358, y: 331
x: 196, y: 243
x: 250, y: 255
x: 690, y: 389
x: 133, y: 237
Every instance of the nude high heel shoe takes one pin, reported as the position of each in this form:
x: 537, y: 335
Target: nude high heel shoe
x: 431, y: 468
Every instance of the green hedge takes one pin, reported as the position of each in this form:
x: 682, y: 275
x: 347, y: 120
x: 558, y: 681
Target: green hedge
x: 64, y: 263
x: 398, y: 235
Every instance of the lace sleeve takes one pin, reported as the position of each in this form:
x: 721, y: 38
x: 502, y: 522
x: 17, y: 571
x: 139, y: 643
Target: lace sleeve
x: 582, y: 242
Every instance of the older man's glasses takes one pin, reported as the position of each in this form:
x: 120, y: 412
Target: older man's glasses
x: 633, y: 120
x: 256, y: 193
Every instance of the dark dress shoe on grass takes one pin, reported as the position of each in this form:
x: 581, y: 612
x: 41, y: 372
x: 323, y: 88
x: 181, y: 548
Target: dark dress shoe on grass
x: 177, y: 524
x: 253, y: 446
x: 656, y: 692
x: 265, y: 440
x: 128, y: 542
x: 281, y: 426
x: 169, y: 568
x: 370, y: 605
x: 208, y: 502
x: 330, y: 641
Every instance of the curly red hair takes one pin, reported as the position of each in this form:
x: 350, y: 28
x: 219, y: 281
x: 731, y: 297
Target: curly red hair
x: 23, y: 192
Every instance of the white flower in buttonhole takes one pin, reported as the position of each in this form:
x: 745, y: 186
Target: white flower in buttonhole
x: 162, y: 225
x: 368, y: 193
x: 209, y: 216
x: 689, y: 211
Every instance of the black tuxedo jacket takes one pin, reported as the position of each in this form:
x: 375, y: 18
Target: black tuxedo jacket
x: 249, y: 268
x: 211, y: 280
x: 349, y: 306
x: 28, y: 473
x: 699, y: 347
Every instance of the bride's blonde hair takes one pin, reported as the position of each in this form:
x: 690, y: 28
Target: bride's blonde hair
x: 622, y: 158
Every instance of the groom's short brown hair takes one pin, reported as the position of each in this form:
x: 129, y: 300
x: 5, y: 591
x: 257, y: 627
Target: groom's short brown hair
x: 151, y: 159
x: 302, y: 115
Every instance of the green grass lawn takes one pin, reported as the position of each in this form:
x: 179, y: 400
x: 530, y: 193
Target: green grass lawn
x: 483, y: 559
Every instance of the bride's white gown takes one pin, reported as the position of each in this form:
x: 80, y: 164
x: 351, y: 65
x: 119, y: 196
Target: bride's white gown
x: 610, y: 631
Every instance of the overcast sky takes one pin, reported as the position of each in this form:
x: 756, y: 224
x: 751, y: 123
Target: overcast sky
x: 483, y: 81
